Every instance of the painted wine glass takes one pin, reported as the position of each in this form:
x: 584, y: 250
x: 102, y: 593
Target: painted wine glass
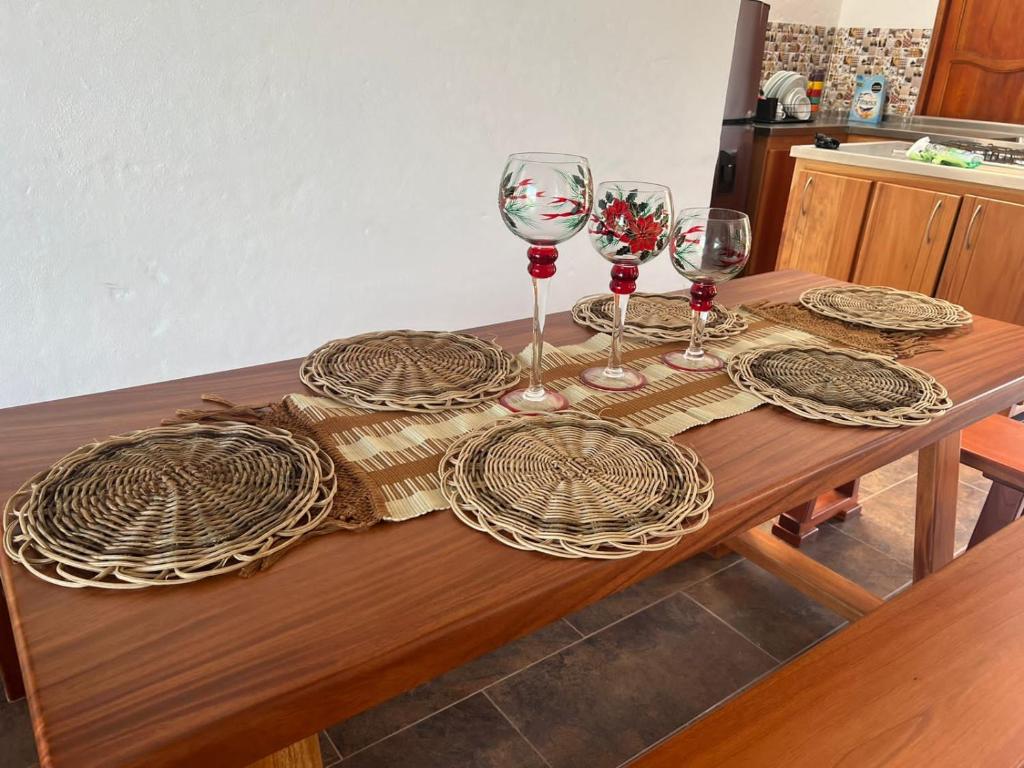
x: 545, y: 198
x: 629, y: 227
x: 708, y: 247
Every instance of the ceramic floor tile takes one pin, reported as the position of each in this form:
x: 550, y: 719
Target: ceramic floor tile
x: 328, y: 752
x: 17, y: 746
x: 368, y: 727
x: 765, y: 609
x: 886, y: 521
x: 972, y: 476
x: 888, y: 475
x: 606, y: 698
x: 857, y: 561
x: 639, y: 596
x: 470, y: 733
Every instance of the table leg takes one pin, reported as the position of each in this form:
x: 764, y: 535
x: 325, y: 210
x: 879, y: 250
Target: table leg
x: 10, y: 670
x: 301, y: 754
x: 938, y: 477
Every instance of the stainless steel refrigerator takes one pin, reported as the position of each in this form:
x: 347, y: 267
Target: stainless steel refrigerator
x: 735, y: 150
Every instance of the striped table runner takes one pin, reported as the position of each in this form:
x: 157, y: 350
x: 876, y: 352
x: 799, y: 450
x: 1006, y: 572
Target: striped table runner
x: 399, y: 452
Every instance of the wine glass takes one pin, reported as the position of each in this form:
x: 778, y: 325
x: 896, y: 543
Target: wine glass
x: 544, y: 198
x: 709, y: 246
x: 629, y: 227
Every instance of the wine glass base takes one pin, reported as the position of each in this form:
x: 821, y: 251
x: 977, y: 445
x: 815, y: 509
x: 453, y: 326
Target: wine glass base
x: 681, y: 362
x: 629, y: 381
x: 517, y: 402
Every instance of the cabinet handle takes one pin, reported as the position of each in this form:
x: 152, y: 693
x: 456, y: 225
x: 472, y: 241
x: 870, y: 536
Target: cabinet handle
x: 931, y: 219
x: 970, y: 228
x: 803, y: 196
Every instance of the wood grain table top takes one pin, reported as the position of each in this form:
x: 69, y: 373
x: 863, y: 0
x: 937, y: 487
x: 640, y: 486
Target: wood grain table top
x: 933, y: 678
x: 227, y: 670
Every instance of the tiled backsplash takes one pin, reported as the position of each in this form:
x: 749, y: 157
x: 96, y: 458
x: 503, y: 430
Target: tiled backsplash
x: 899, y: 54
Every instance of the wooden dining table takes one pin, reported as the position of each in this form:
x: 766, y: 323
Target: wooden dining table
x: 226, y: 671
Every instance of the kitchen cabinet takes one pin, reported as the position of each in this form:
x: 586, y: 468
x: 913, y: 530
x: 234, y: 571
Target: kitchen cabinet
x: 984, y: 268
x: 823, y: 222
x: 975, y: 66
x: 905, y: 236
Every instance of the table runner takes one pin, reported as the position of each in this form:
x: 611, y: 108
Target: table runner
x: 397, y: 453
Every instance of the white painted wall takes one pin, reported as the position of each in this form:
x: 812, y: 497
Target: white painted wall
x: 191, y: 185
x: 823, y: 13
x: 901, y: 14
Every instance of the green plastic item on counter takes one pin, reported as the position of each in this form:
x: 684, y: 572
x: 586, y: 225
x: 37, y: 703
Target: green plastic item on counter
x: 924, y: 151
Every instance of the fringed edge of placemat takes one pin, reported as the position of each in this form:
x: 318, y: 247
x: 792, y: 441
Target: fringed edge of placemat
x: 898, y: 345
x: 357, y: 503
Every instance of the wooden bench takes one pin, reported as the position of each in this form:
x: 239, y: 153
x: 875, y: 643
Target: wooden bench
x: 933, y: 678
x: 995, y: 446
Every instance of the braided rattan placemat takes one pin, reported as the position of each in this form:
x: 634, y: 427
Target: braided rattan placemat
x: 574, y: 485
x: 843, y: 386
x: 655, y: 316
x: 881, y: 307
x: 411, y: 370
x: 168, y: 505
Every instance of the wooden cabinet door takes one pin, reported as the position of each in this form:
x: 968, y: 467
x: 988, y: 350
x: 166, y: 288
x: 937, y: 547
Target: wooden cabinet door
x: 823, y: 222
x: 975, y: 66
x: 984, y: 269
x: 905, y: 237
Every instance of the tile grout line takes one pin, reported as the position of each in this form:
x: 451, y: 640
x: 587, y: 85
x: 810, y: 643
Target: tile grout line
x: 711, y: 613
x: 337, y: 751
x: 503, y: 678
x: 516, y: 729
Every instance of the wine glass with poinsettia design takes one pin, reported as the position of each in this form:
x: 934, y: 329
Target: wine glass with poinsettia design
x: 709, y: 246
x: 629, y: 227
x: 544, y: 198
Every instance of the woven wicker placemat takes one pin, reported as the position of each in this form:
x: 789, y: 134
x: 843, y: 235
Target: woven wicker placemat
x: 411, y: 370
x: 843, y: 386
x: 888, y: 308
x: 574, y: 485
x: 655, y: 316
x: 169, y: 505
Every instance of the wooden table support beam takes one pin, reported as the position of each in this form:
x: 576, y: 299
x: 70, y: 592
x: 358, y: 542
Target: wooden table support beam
x: 938, y: 480
x: 848, y: 599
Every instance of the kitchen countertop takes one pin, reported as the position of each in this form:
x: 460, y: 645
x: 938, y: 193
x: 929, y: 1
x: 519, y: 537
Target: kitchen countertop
x: 908, y: 128
x: 889, y: 156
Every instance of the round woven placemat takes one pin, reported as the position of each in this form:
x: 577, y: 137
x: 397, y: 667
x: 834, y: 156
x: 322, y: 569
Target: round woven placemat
x: 844, y: 386
x: 168, y: 505
x: 888, y: 308
x: 655, y: 316
x: 411, y: 370
x: 573, y: 485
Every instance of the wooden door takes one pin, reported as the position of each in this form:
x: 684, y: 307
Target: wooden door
x: 823, y: 222
x: 905, y: 237
x: 975, y: 66
x: 984, y: 270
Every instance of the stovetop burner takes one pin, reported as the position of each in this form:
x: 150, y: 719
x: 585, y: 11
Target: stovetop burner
x: 990, y: 153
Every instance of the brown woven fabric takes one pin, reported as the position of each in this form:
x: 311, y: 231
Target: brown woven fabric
x: 169, y: 505
x: 896, y: 344
x: 573, y: 485
x: 843, y: 386
x: 399, y: 452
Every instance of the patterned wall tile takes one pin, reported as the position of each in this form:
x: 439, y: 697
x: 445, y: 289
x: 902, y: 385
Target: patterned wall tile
x: 845, y: 52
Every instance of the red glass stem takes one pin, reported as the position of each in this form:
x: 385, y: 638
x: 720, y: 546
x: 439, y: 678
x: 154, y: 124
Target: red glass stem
x: 702, y: 299
x: 623, y: 284
x: 542, y: 266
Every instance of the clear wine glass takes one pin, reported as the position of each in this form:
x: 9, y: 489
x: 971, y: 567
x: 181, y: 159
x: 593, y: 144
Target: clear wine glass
x: 629, y: 227
x: 709, y: 246
x: 545, y: 198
